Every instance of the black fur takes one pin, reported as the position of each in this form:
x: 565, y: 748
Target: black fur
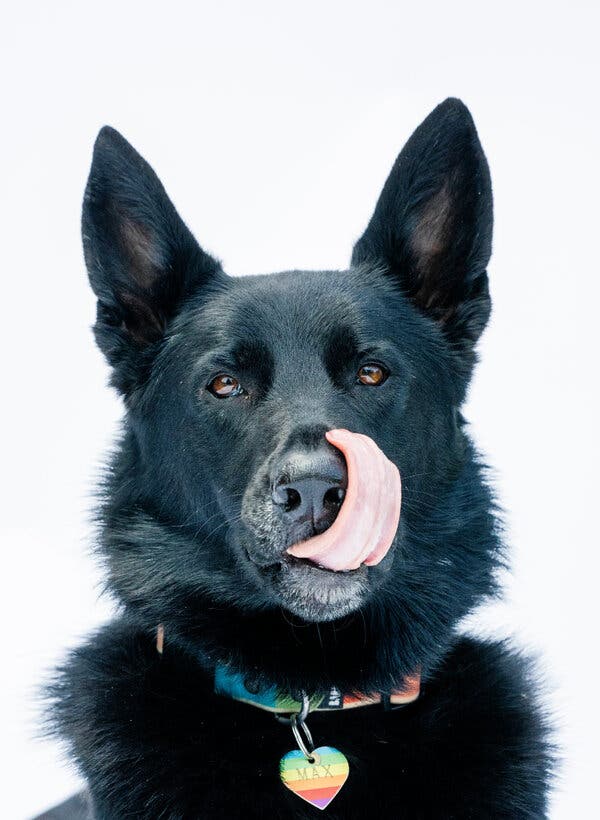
x: 190, y: 539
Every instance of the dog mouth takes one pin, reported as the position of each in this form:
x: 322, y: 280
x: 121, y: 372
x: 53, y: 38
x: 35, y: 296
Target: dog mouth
x: 316, y: 593
x: 292, y: 561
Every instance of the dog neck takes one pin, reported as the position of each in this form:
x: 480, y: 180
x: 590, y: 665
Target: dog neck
x: 233, y: 684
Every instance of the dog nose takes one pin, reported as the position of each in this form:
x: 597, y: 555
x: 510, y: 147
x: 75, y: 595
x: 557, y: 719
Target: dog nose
x: 310, y: 490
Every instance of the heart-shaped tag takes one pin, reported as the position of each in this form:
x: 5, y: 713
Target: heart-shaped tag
x: 318, y: 781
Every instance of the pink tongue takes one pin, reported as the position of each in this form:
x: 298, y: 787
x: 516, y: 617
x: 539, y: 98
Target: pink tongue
x: 368, y: 519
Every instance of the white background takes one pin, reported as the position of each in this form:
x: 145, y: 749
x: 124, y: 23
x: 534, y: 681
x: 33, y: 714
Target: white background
x: 273, y: 126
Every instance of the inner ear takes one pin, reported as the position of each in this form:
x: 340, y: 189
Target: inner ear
x: 428, y: 247
x: 141, y: 320
x: 432, y: 232
x: 143, y: 314
x: 141, y: 253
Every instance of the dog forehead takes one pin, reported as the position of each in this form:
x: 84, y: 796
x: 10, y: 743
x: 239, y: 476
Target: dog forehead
x: 293, y: 308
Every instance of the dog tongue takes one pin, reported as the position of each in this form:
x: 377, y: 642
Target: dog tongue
x: 368, y: 519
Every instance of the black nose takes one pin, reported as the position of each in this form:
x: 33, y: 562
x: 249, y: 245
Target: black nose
x: 309, y: 491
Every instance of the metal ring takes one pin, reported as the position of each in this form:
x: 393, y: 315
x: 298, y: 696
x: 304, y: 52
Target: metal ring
x: 298, y: 724
x: 301, y: 715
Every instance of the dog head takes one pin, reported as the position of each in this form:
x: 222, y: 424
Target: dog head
x: 230, y: 384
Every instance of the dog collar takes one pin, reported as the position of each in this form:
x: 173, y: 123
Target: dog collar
x: 234, y: 685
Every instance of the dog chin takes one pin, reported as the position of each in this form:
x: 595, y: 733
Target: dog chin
x: 314, y: 593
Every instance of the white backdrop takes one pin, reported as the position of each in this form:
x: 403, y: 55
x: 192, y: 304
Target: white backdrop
x: 273, y: 126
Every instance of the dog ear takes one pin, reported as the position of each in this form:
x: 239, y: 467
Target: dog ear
x: 142, y: 260
x: 432, y: 225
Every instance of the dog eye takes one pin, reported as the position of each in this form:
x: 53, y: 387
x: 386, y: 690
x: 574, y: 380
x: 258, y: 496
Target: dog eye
x: 224, y: 385
x: 372, y: 374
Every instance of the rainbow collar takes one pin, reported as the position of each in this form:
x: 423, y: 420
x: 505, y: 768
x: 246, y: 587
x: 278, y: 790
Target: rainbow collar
x: 232, y: 684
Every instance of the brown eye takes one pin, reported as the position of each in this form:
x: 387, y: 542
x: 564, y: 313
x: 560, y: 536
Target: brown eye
x: 223, y: 386
x: 372, y: 375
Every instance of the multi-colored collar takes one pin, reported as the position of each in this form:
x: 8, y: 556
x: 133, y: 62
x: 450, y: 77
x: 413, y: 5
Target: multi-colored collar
x: 233, y: 685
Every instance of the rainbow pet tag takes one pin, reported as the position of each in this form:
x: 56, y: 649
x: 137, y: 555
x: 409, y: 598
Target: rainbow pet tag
x: 316, y: 779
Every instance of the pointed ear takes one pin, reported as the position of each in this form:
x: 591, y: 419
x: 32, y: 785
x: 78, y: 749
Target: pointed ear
x: 432, y: 225
x: 142, y: 261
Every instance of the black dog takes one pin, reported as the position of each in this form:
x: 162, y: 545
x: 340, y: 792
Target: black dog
x: 230, y: 383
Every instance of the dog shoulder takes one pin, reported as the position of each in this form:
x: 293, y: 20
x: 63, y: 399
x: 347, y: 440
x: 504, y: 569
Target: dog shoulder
x: 485, y: 709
